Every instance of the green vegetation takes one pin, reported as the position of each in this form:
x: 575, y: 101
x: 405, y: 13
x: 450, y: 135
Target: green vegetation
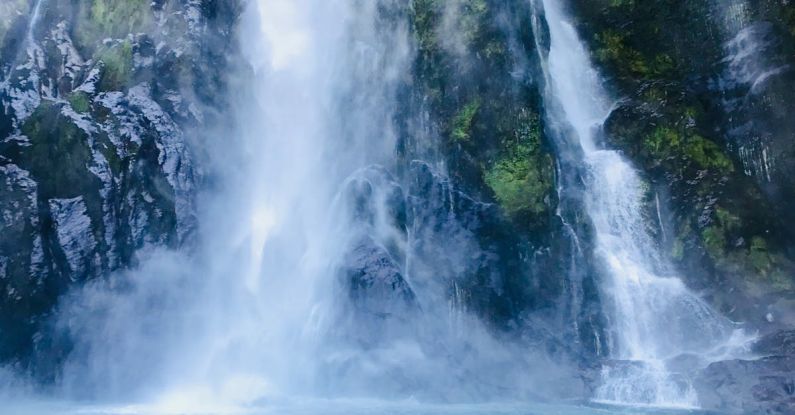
x: 79, y: 102
x: 118, y: 66
x: 678, y: 249
x: 665, y: 142
x: 101, y: 19
x: 716, y: 236
x: 768, y: 265
x: 759, y: 256
x: 714, y: 239
x: 707, y: 154
x: 522, y: 178
x: 614, y: 50
x: 493, y: 143
x: 622, y: 3
x: 425, y: 15
x: 470, y: 21
x: 59, y: 155
x: 462, y: 123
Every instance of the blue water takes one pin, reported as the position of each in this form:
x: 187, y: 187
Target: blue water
x: 325, y: 407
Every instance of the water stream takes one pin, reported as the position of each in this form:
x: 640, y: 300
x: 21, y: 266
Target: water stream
x: 257, y: 310
x: 653, y: 319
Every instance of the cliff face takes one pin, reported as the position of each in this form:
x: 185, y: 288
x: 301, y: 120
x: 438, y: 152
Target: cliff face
x: 478, y: 80
x: 101, y: 103
x: 703, y: 112
x: 107, y: 106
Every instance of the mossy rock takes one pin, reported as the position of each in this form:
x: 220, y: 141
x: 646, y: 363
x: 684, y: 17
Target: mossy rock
x: 80, y: 101
x: 103, y: 19
x: 462, y: 123
x: 665, y: 142
x: 522, y: 177
x: 59, y: 157
x: 472, y: 14
x: 117, y: 70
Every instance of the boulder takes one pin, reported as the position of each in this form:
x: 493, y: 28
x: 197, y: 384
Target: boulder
x: 762, y: 386
x: 375, y: 283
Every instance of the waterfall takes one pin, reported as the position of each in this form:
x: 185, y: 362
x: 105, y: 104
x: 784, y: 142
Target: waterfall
x: 305, y: 197
x: 246, y: 313
x: 34, y: 19
x: 654, y: 321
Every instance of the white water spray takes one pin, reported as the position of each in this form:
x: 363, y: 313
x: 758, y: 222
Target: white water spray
x: 261, y: 309
x: 245, y: 316
x: 653, y: 318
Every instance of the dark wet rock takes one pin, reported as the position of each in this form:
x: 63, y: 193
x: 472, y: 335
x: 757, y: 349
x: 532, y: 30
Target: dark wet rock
x: 701, y: 112
x: 763, y: 386
x: 373, y: 195
x: 95, y: 161
x: 375, y: 283
x: 688, y: 364
x: 781, y: 343
x: 464, y: 246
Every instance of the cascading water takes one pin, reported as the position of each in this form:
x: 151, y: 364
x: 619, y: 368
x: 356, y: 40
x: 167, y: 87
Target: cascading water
x: 325, y: 265
x: 246, y: 314
x: 653, y: 318
x: 34, y: 19
x: 304, y: 203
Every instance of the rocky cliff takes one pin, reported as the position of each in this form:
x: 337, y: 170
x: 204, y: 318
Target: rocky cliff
x: 103, y: 104
x: 107, y: 106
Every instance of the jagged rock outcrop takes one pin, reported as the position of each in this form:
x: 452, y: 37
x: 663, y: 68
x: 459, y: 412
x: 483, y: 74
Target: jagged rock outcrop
x: 479, y: 85
x: 762, y: 386
x: 100, y: 102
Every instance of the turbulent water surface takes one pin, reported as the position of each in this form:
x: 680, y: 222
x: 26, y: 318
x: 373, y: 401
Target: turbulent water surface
x: 349, y: 407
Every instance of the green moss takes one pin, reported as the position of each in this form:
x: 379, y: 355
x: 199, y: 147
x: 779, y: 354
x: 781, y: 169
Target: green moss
x: 471, y: 19
x: 614, y: 50
x: 727, y: 220
x: 681, y: 240
x: 662, y: 65
x: 765, y: 265
x: 522, y: 178
x: 665, y: 142
x: 494, y: 49
x: 59, y: 155
x: 519, y: 185
x: 118, y: 66
x: 462, y: 123
x: 424, y: 17
x: 662, y: 142
x: 707, y: 154
x: 101, y: 19
x: 470, y: 22
x: 79, y: 102
x: 714, y: 240
x: 622, y: 3
x: 716, y: 236
x: 759, y: 257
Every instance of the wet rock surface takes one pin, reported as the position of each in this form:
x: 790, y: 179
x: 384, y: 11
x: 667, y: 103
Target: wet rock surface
x: 101, y: 128
x: 95, y: 125
x: 764, y: 386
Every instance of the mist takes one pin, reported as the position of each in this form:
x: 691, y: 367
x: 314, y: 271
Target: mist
x: 398, y: 206
x: 304, y: 191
